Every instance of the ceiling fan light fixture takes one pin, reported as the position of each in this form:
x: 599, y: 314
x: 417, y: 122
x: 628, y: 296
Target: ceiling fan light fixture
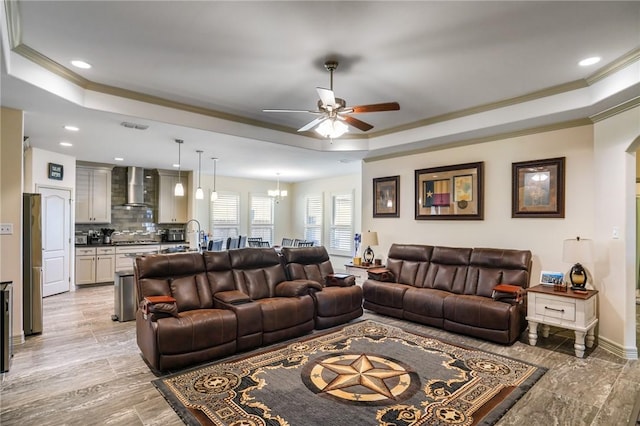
x: 332, y: 128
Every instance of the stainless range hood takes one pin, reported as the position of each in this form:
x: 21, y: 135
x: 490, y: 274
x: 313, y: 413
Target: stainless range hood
x: 135, y: 187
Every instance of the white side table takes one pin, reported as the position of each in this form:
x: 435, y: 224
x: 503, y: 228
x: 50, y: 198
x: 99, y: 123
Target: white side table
x: 360, y: 272
x: 570, y: 310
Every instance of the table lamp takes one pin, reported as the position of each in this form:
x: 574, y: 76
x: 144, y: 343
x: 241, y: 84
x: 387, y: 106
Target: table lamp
x: 369, y: 239
x: 575, y: 251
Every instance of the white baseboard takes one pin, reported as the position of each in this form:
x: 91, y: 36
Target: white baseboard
x: 616, y: 349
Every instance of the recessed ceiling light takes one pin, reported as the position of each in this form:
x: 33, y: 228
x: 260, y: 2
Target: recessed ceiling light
x: 80, y: 64
x: 118, y: 158
x: 66, y: 144
x: 589, y: 61
x: 71, y: 128
x: 176, y: 165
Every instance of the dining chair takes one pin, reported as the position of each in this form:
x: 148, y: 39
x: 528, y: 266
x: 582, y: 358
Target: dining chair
x: 287, y: 242
x: 263, y: 244
x: 305, y: 244
x: 242, y: 241
x: 296, y: 242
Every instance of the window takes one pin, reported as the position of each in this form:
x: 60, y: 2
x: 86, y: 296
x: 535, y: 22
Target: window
x: 262, y: 217
x: 341, y: 232
x: 313, y: 220
x: 225, y: 215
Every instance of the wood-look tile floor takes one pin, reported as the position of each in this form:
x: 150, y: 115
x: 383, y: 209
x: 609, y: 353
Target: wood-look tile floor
x: 86, y: 369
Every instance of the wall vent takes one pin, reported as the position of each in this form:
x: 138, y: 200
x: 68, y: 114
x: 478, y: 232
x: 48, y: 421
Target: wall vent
x: 137, y: 126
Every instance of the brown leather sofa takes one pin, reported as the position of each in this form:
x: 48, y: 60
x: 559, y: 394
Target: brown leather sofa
x: 340, y: 300
x: 225, y: 302
x: 451, y: 288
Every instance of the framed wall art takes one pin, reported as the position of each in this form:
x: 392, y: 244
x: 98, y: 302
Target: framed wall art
x: 386, y: 196
x: 538, y: 188
x: 450, y: 192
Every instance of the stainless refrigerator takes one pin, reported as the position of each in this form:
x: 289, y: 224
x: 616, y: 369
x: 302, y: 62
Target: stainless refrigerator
x: 32, y: 263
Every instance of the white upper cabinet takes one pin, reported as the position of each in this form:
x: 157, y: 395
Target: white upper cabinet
x: 171, y: 209
x: 93, y: 195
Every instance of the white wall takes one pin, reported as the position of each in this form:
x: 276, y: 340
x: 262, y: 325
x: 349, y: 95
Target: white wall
x: 36, y: 170
x: 615, y: 172
x: 544, y: 237
x: 245, y: 187
x: 326, y: 187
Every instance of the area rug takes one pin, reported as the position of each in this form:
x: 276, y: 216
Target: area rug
x: 365, y: 373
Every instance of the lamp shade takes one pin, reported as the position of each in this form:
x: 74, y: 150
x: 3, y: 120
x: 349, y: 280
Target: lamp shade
x: 370, y: 239
x: 577, y: 250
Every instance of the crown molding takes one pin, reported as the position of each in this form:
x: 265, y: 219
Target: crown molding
x: 614, y: 66
x: 618, y: 109
x: 13, y: 23
x: 51, y: 65
x: 500, y: 136
x: 64, y: 72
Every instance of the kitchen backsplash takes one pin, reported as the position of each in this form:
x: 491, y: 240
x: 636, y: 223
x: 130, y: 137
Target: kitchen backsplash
x: 139, y: 220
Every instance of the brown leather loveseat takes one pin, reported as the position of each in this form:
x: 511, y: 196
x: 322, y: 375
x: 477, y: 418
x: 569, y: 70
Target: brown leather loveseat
x: 225, y: 302
x: 452, y: 288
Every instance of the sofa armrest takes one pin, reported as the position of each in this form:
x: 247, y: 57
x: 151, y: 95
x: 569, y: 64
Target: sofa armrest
x: 232, y: 297
x: 381, y: 274
x: 297, y: 288
x: 340, y: 280
x: 156, y: 307
x: 508, y: 293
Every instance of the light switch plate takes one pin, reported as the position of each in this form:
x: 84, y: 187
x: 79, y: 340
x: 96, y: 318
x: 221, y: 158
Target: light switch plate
x: 6, y: 228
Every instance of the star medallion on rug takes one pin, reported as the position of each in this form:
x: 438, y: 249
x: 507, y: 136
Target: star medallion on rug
x: 365, y: 373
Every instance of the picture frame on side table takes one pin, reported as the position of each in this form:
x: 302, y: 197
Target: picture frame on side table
x: 538, y: 188
x: 386, y: 196
x: 551, y: 278
x: 450, y: 192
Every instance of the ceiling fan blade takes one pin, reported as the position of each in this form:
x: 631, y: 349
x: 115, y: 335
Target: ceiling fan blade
x: 326, y: 96
x: 310, y: 125
x: 359, y: 124
x: 292, y: 110
x: 387, y: 106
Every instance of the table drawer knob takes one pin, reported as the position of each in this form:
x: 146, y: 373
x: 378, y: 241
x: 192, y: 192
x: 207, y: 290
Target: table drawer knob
x: 554, y: 309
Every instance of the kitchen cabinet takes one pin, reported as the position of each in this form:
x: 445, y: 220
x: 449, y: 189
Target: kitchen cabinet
x: 93, y: 194
x: 95, y: 265
x: 105, y: 264
x: 85, y: 266
x: 171, y: 209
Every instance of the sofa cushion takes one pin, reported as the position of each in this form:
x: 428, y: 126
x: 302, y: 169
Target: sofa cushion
x: 311, y: 263
x: 181, y: 275
x: 425, y: 302
x: 384, y: 294
x: 489, y: 267
x: 256, y: 271
x: 195, y: 330
x: 218, y: 266
x: 409, y: 263
x: 478, y: 311
x: 448, y: 269
x: 280, y: 313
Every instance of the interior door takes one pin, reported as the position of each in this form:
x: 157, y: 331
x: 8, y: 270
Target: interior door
x: 56, y: 235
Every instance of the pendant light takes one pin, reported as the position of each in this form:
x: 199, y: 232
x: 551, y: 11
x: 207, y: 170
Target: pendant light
x: 179, y: 189
x: 214, y: 194
x: 199, y: 191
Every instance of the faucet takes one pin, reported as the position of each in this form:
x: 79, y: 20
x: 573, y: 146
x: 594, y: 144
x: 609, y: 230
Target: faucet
x: 186, y: 226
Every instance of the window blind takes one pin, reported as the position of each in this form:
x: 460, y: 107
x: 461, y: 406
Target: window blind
x: 225, y: 215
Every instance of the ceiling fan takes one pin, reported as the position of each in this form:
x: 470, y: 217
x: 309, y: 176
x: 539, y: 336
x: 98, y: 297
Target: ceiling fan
x: 333, y: 112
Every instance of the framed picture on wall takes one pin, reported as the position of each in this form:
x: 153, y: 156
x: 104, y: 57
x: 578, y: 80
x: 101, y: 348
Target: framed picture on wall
x: 538, y: 188
x: 386, y: 196
x: 450, y: 192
